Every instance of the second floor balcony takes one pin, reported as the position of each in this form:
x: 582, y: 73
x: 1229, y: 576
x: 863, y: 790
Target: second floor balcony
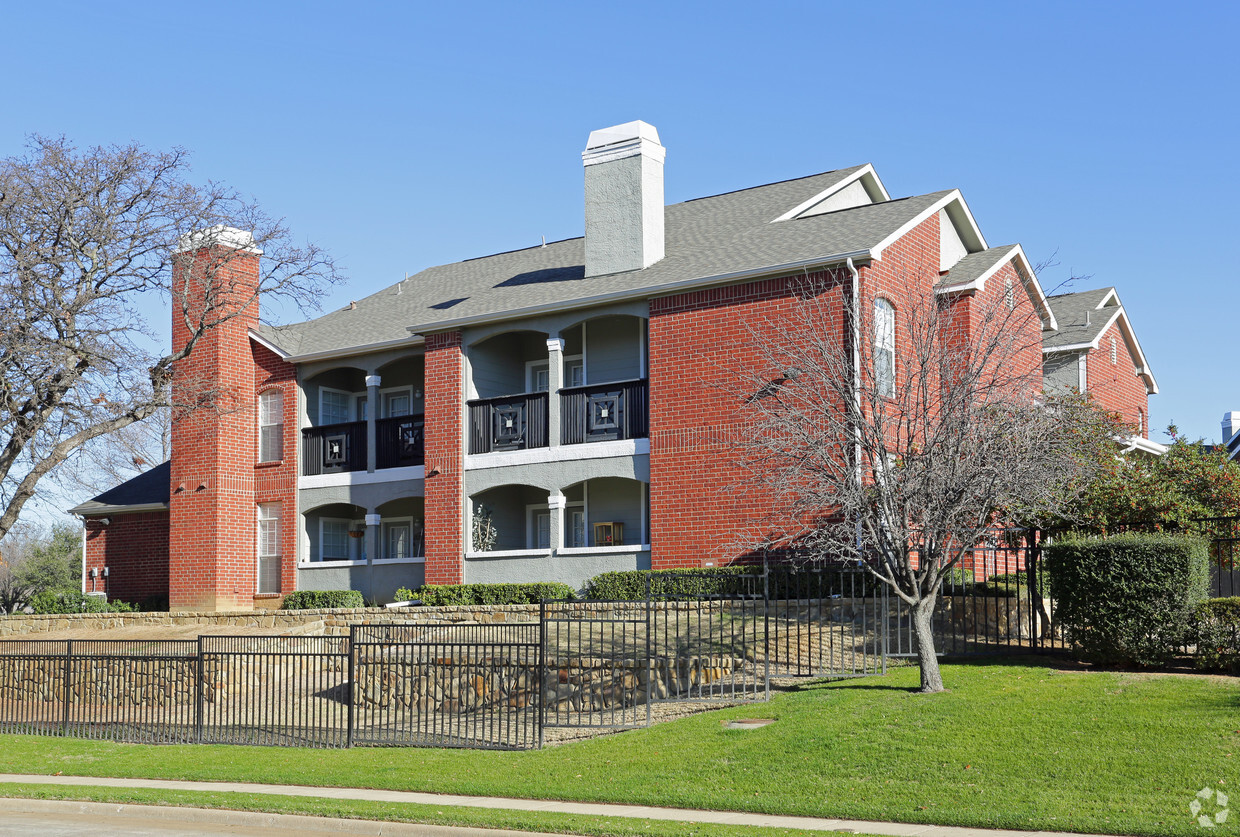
x: 341, y: 448
x: 595, y: 413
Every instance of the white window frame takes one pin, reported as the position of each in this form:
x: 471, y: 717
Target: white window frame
x: 531, y: 369
x: 264, y: 396
x: 259, y: 554
x: 354, y: 556
x: 384, y: 394
x: 350, y: 401
x: 531, y: 523
x: 884, y: 341
x: 1114, y: 352
x: 385, y: 526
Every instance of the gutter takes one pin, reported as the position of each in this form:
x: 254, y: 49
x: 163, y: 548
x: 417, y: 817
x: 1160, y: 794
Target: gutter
x: 856, y: 370
x: 87, y: 510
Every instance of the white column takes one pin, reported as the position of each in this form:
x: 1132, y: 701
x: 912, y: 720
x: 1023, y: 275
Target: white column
x: 372, y: 411
x: 555, y: 380
x: 556, y: 503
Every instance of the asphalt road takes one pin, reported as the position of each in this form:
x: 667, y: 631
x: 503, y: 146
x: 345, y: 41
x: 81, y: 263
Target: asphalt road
x: 46, y: 818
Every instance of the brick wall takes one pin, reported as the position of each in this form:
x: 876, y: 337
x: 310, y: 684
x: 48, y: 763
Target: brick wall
x: 1117, y: 386
x: 276, y: 482
x: 134, y: 549
x: 445, y: 441
x: 212, y: 514
x: 703, y: 508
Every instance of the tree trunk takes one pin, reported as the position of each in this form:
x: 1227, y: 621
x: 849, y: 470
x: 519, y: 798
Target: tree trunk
x: 931, y: 677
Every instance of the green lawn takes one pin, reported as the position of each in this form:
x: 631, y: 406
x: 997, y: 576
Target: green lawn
x: 1014, y: 744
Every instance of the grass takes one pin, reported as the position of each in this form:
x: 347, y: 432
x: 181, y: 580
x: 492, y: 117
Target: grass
x: 1014, y: 744
x: 398, y: 812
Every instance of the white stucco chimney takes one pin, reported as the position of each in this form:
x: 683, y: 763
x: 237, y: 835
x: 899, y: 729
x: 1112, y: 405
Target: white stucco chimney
x: 624, y: 198
x: 1231, y: 425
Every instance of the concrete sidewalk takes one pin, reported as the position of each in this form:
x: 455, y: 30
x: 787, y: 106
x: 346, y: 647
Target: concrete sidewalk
x: 587, y: 808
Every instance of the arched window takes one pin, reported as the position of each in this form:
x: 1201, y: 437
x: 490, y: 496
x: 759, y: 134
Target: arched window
x: 884, y: 348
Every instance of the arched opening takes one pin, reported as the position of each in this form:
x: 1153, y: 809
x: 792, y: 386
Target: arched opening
x: 509, y: 389
x: 335, y: 441
x: 605, y: 392
x: 335, y: 533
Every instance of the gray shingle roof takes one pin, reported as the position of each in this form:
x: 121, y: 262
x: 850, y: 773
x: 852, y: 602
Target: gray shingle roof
x: 1078, y: 317
x: 707, y: 237
x: 974, y: 265
x: 151, y: 488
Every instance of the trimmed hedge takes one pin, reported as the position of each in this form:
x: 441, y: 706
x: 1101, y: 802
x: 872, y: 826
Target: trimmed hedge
x: 630, y: 585
x: 1129, y: 598
x: 322, y: 599
x: 442, y: 595
x: 50, y: 601
x: 1218, y: 635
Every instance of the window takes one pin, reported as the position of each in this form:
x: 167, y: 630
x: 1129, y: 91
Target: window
x: 884, y: 348
x: 540, y: 526
x: 333, y: 406
x: 1114, y: 352
x: 538, y: 374
x: 1141, y: 422
x: 1009, y: 295
x: 335, y: 542
x: 271, y: 426
x: 396, y: 403
x: 268, y: 548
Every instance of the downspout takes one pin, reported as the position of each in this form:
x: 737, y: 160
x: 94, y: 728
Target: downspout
x: 855, y: 291
x: 83, y: 521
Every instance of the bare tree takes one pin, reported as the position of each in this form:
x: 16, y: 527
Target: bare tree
x: 902, y: 439
x: 86, y: 236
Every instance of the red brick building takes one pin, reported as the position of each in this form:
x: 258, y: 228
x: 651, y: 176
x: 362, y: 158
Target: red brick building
x: 543, y: 414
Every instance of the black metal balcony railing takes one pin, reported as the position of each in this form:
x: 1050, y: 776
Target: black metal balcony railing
x: 400, y: 441
x: 604, y: 412
x: 511, y: 422
x: 333, y: 448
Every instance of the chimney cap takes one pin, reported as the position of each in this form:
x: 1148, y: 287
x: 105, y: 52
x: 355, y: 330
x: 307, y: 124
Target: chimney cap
x: 629, y: 131
x: 220, y: 235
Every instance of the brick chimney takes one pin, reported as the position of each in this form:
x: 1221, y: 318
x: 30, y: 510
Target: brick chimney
x: 211, y: 549
x: 624, y: 198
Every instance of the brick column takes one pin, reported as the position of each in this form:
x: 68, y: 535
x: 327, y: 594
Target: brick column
x: 445, y: 440
x: 212, y: 513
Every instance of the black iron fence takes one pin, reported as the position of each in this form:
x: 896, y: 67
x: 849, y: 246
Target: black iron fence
x: 595, y: 664
x: 604, y: 412
x: 512, y: 422
x: 400, y: 441
x: 333, y: 448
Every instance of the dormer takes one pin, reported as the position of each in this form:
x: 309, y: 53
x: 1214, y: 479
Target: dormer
x: 859, y: 187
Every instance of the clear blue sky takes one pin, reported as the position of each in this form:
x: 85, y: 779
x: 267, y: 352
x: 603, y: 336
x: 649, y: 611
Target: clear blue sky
x: 401, y: 136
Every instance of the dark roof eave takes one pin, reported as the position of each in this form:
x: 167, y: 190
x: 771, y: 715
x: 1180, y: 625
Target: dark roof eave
x: 92, y: 509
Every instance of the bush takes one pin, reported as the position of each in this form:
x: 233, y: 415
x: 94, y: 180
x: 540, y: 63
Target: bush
x: 440, y: 595
x: 322, y: 599
x: 1218, y: 635
x: 72, y: 601
x: 630, y: 585
x: 1129, y: 598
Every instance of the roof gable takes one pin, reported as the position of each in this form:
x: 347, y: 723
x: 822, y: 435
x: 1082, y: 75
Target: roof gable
x: 1084, y: 317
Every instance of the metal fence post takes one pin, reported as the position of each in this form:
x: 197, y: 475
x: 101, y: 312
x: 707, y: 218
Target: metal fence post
x: 68, y: 678
x: 766, y: 626
x: 351, y: 684
x: 650, y: 667
x: 200, y: 688
x: 886, y: 626
x: 542, y: 669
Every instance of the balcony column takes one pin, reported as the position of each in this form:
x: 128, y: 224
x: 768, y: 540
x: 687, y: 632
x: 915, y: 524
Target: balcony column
x: 372, y: 546
x: 555, y: 504
x: 372, y: 413
x: 555, y: 380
